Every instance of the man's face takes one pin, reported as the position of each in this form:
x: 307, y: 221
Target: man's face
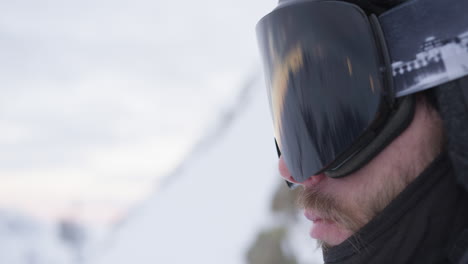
x: 340, y: 207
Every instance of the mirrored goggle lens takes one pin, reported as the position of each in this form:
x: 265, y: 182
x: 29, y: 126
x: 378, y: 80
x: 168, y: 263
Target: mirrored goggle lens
x: 323, y: 81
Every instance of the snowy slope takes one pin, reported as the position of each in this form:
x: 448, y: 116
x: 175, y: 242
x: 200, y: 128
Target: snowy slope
x: 26, y: 241
x: 211, y: 208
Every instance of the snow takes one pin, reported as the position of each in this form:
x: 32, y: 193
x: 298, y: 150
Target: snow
x: 26, y: 241
x: 211, y: 208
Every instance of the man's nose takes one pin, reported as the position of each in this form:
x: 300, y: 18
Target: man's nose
x: 313, y: 180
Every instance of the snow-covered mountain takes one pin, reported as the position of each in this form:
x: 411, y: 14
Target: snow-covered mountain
x: 211, y: 209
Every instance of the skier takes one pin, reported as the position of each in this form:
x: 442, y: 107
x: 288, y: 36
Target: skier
x: 369, y: 101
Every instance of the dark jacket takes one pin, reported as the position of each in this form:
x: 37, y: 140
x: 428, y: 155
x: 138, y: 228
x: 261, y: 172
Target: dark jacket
x: 426, y: 223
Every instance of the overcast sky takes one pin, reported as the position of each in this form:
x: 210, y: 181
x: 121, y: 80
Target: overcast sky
x: 100, y: 98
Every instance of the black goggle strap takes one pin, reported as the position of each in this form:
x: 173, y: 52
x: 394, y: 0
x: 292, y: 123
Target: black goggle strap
x: 428, y: 43
x: 290, y: 184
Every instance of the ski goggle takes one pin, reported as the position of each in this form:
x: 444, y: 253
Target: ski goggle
x: 335, y: 75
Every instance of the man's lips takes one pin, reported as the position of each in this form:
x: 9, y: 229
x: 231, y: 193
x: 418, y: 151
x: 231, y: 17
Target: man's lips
x: 321, y: 227
x: 312, y: 216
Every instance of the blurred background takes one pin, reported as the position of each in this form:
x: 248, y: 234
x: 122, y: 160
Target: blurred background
x: 139, y: 131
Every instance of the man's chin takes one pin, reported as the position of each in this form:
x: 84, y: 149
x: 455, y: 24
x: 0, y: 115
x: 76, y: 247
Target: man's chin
x: 329, y: 233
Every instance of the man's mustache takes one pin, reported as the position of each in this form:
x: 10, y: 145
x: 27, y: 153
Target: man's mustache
x: 312, y: 199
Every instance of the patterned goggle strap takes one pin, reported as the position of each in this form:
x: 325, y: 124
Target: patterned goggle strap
x: 428, y: 43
